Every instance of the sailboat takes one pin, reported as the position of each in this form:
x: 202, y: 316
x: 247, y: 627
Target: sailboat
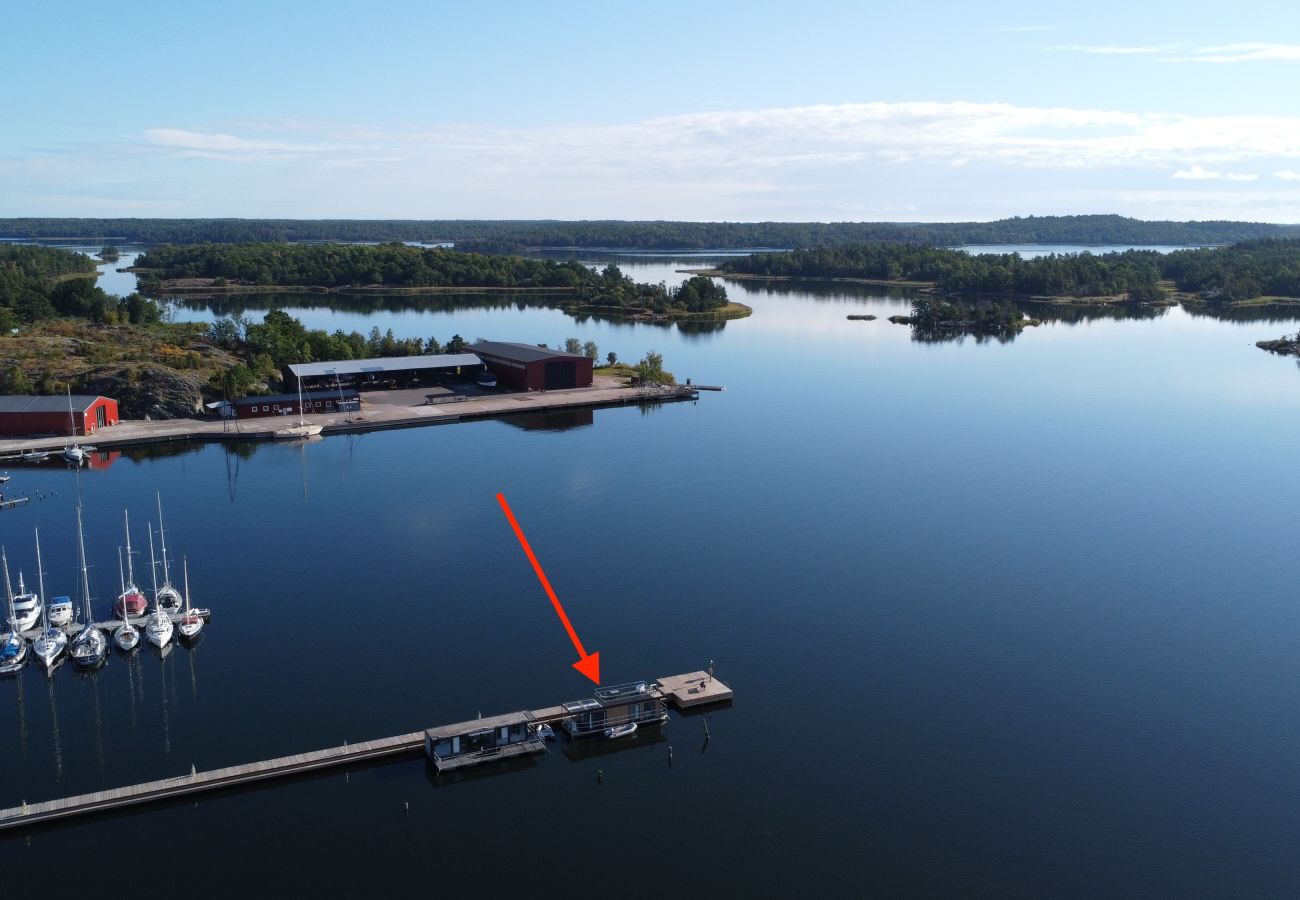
x: 90, y: 646
x: 158, y: 629
x: 167, y: 597
x: 24, y: 606
x: 126, y: 635
x: 50, y: 643
x: 191, y: 623
x: 131, y: 602
x: 71, y: 452
x: 302, y: 429
x: 13, y: 649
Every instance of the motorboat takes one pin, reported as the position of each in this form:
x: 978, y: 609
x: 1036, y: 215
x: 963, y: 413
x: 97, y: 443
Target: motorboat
x: 619, y: 731
x: 51, y: 642
x: 487, y: 379
x: 190, y: 623
x: 90, y: 646
x: 131, y: 602
x: 166, y: 596
x: 24, y: 607
x: 35, y: 455
x: 60, y: 611
x: 545, y: 732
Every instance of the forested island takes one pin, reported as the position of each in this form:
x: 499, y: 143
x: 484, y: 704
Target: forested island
x: 515, y: 235
x: 1265, y: 270
x: 59, y: 331
x: 396, y: 267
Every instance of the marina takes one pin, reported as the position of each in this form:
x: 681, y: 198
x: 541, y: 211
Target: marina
x: 449, y: 747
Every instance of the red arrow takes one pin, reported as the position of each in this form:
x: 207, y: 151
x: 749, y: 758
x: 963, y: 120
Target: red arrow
x: 587, y: 665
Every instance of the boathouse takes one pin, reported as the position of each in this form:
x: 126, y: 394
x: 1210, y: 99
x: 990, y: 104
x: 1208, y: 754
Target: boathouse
x: 528, y: 367
x: 26, y: 415
x: 313, y: 402
x: 383, y: 371
x: 618, y: 704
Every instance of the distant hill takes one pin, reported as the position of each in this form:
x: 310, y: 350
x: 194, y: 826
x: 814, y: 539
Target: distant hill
x: 498, y: 236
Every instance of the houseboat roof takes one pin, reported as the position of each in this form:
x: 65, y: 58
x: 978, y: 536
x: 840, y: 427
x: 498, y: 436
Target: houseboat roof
x: 474, y: 725
x: 622, y: 693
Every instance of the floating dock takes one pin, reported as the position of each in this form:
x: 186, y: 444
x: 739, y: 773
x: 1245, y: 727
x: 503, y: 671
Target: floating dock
x: 72, y: 629
x: 516, y: 732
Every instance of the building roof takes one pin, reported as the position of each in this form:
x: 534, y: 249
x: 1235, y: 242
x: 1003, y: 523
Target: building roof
x: 382, y: 364
x: 524, y: 353
x: 53, y: 403
x: 333, y: 394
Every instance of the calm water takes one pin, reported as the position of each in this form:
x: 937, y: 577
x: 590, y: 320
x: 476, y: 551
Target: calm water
x: 1003, y: 619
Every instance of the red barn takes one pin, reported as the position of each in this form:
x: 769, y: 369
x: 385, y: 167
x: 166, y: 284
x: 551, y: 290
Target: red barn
x: 527, y: 367
x: 49, y: 415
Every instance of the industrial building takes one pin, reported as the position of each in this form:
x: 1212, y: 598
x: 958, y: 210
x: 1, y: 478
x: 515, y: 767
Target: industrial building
x: 25, y: 415
x: 383, y: 371
x: 313, y: 402
x: 528, y: 367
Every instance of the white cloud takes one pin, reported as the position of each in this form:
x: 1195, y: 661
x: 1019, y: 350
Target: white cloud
x: 1241, y: 176
x: 1287, y: 175
x: 1197, y: 173
x: 1240, y: 52
x: 1114, y: 50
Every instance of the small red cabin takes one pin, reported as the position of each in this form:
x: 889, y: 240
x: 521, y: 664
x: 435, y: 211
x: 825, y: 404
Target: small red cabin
x: 80, y: 414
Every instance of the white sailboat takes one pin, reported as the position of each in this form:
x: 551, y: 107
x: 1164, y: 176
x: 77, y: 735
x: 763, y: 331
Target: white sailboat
x: 90, y: 646
x: 126, y: 635
x: 13, y: 648
x: 158, y: 628
x: 24, y: 606
x: 51, y: 642
x: 167, y: 597
x: 302, y: 429
x: 191, y: 623
x: 72, y: 453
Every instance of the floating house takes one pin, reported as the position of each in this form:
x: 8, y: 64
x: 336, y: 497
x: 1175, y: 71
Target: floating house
x: 483, y: 740
x: 619, y: 704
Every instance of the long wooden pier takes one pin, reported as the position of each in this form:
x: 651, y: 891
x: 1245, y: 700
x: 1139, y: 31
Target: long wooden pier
x: 683, y: 691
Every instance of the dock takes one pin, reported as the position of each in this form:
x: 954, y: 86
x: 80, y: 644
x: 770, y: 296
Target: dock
x: 517, y: 733
x: 16, y: 501
x: 74, y: 628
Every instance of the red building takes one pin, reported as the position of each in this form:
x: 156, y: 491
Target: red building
x: 527, y: 367
x: 49, y: 415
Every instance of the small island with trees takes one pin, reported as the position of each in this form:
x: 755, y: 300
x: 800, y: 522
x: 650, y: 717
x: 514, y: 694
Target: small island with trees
x: 396, y: 268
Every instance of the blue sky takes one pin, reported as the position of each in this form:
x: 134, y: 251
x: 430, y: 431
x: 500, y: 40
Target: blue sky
x: 738, y: 111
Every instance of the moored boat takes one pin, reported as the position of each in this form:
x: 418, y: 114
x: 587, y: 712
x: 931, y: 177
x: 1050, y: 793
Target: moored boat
x: 166, y: 596
x: 131, y: 602
x: 303, y: 428
x: 59, y: 611
x: 619, y: 731
x: 51, y: 642
x: 24, y: 607
x: 126, y: 635
x: 13, y: 646
x: 158, y: 627
x: 90, y: 646
x: 191, y: 623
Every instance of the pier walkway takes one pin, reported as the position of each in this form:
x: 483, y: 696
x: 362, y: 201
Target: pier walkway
x: 684, y: 691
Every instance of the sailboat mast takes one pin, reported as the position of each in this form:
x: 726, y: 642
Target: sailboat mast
x: 301, y: 420
x: 85, y: 572
x: 153, y: 567
x: 162, y: 539
x: 40, y: 582
x: 185, y: 567
x: 9, y: 592
x: 130, y: 570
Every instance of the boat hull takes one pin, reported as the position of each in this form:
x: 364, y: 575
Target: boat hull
x: 60, y: 615
x: 159, y: 632
x: 13, y: 654
x: 127, y: 638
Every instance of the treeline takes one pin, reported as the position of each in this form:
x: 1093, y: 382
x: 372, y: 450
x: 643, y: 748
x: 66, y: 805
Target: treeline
x: 402, y: 266
x: 40, y: 283
x: 499, y: 236
x: 1240, y: 272
x: 1133, y: 272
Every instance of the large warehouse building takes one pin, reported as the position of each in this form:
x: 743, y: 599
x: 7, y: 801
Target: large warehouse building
x: 21, y: 415
x: 528, y: 367
x: 383, y: 371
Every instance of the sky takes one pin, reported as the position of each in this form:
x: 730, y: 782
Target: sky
x: 735, y: 111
